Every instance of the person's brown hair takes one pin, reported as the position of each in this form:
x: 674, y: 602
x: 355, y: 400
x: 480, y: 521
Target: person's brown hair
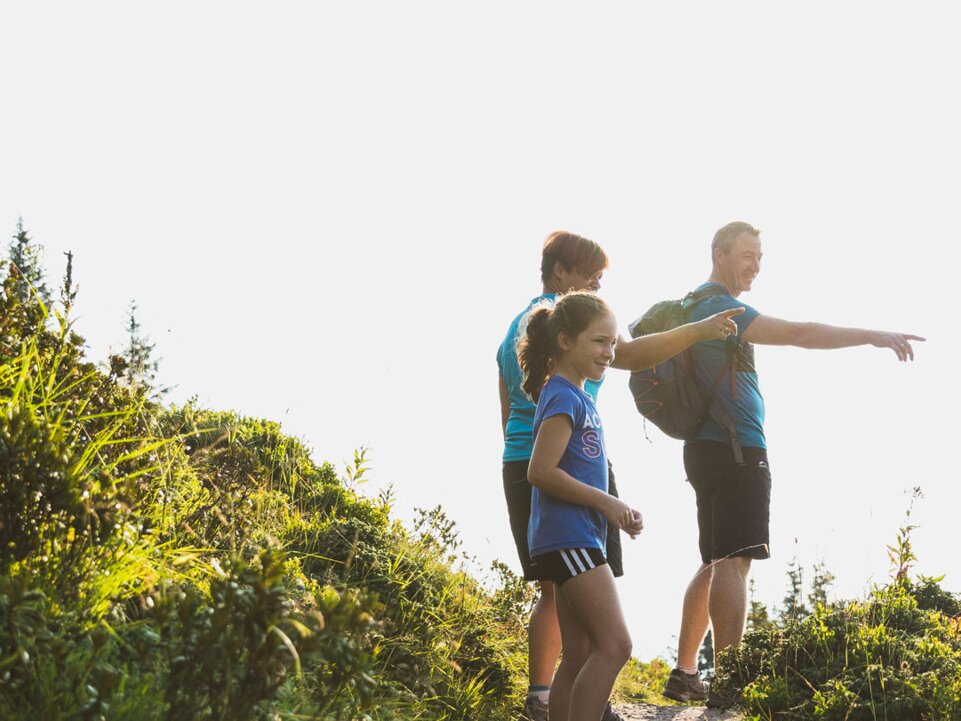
x: 574, y: 253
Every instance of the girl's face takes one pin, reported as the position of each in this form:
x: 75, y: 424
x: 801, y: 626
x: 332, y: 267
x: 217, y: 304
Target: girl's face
x: 588, y: 355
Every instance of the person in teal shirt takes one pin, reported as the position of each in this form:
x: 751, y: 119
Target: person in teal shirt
x: 733, y: 498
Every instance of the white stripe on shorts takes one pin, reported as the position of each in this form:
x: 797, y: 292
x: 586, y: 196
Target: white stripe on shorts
x: 578, y: 556
x: 587, y: 558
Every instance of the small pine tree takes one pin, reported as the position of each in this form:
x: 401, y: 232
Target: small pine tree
x: 794, y: 607
x: 705, y: 657
x: 757, y: 614
x: 821, y: 581
x: 137, y: 366
x: 27, y: 264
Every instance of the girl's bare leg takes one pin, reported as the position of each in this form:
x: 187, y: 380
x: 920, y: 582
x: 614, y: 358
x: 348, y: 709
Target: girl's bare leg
x: 590, y: 615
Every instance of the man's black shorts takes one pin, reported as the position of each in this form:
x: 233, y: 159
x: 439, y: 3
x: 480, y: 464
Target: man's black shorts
x: 517, y: 491
x: 733, y: 501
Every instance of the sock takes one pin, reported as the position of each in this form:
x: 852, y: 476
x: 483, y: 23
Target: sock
x: 689, y: 670
x: 542, y: 693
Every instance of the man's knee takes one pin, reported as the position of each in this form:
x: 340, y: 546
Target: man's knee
x: 742, y: 565
x: 738, y: 565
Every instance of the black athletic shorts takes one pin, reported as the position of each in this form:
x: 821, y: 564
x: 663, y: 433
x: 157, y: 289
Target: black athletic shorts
x: 563, y: 565
x: 733, y: 501
x: 517, y: 491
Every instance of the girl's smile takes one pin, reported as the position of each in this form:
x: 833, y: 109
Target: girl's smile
x: 590, y: 353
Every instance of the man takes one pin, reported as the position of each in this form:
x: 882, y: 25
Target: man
x: 568, y: 262
x: 733, y: 499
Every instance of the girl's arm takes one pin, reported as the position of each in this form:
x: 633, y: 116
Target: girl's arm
x: 543, y: 472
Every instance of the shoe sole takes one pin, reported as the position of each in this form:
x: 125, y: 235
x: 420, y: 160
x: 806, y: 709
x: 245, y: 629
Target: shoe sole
x: 719, y: 702
x: 683, y: 697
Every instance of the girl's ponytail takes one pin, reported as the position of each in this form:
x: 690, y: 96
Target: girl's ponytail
x: 536, y: 349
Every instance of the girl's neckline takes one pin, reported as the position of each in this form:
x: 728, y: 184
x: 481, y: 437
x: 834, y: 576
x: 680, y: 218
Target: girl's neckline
x: 569, y: 382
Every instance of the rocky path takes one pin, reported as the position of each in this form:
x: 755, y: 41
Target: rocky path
x: 648, y: 712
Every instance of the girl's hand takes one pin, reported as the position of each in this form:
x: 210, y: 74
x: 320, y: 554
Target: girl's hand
x: 720, y: 325
x: 636, y: 525
x: 622, y: 516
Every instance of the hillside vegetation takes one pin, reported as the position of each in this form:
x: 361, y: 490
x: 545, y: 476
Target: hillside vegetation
x: 162, y: 562
x: 893, y: 656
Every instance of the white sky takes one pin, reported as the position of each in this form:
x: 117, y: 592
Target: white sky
x: 329, y: 213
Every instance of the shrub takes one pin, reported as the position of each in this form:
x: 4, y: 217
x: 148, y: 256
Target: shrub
x: 895, y: 655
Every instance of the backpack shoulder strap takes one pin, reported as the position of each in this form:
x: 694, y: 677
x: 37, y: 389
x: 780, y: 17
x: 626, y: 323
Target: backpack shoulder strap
x: 721, y: 417
x: 696, y: 296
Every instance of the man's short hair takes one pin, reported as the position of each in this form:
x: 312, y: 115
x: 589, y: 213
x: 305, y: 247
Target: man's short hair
x: 574, y: 253
x: 725, y: 237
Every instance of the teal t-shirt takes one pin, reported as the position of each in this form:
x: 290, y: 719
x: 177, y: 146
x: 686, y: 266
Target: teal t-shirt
x: 744, y: 404
x: 519, y: 438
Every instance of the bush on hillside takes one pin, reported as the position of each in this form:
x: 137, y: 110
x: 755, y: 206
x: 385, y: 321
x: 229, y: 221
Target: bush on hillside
x: 169, y: 563
x: 895, y: 655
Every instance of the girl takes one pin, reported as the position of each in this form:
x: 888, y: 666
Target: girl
x: 566, y: 344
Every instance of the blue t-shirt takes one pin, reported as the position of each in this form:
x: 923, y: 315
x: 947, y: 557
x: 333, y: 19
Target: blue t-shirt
x: 554, y: 523
x: 519, y: 438
x: 746, y: 405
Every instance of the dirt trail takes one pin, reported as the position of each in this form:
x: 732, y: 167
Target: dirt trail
x: 648, y: 712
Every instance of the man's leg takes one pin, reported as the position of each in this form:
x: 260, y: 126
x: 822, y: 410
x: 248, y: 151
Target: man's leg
x: 741, y: 521
x: 543, y: 637
x: 695, y: 619
x: 728, y: 605
x: 728, y: 601
x: 684, y: 682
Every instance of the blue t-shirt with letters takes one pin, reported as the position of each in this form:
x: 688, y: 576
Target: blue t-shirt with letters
x: 557, y: 524
x: 519, y: 437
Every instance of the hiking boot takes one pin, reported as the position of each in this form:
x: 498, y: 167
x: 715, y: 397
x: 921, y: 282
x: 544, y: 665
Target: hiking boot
x: 534, y: 710
x: 718, y: 700
x: 685, y: 687
x: 611, y: 715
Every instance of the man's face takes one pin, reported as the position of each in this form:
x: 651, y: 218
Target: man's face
x: 738, y: 268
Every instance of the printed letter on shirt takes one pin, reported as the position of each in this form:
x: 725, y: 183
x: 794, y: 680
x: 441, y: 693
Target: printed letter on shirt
x: 592, y: 444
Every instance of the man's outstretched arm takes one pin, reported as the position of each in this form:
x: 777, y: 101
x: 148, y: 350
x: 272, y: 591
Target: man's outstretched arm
x: 766, y: 330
